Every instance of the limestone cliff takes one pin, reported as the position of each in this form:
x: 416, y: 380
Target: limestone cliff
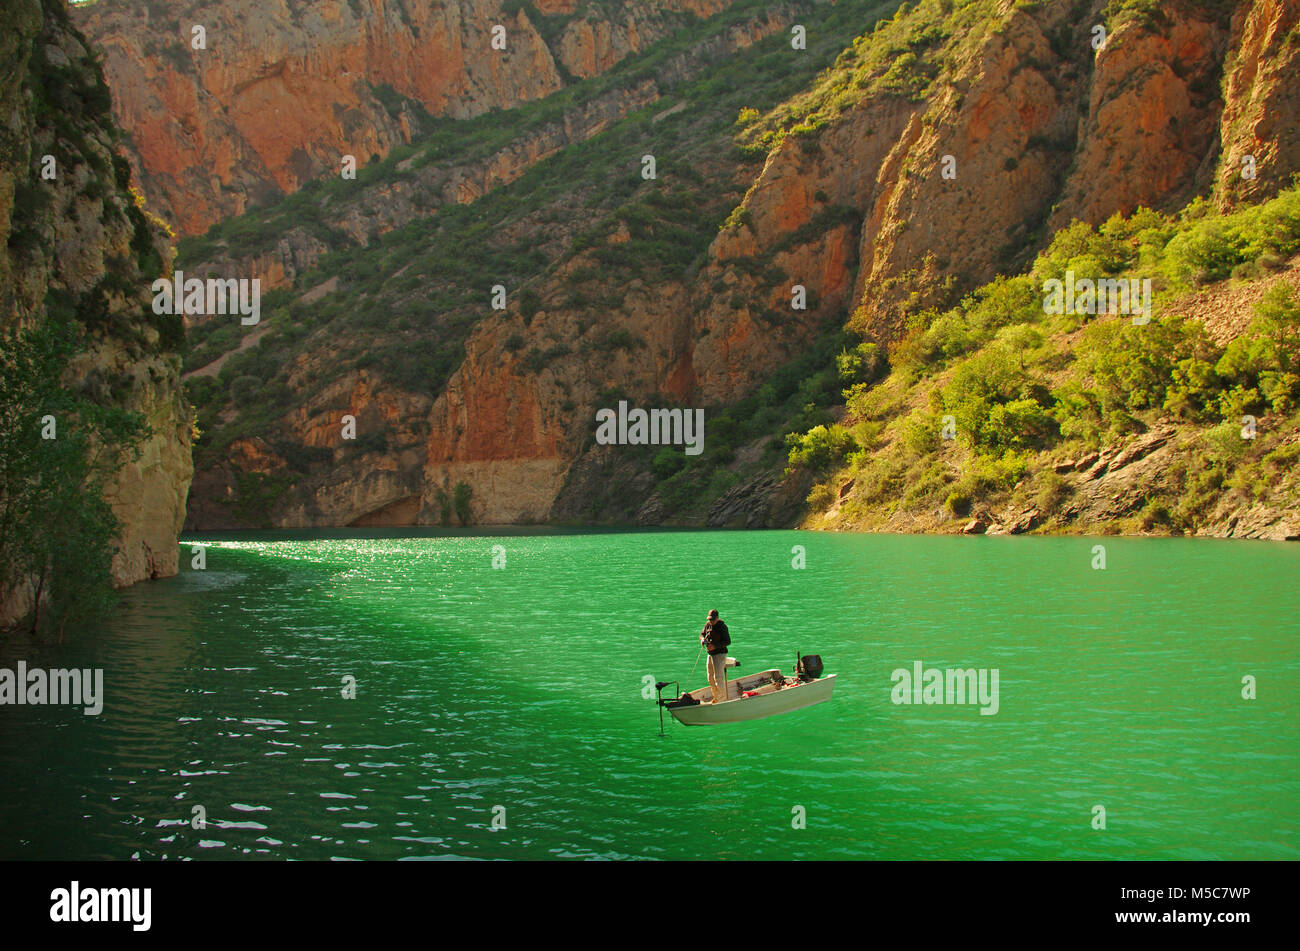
x: 72, y: 227
x: 279, y: 92
x: 1038, y: 127
x: 940, y: 150
x: 1262, y: 101
x: 427, y: 180
x: 855, y: 206
x: 295, y: 469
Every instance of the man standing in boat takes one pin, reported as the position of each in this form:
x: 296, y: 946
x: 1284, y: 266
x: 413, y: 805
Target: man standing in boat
x: 716, y: 638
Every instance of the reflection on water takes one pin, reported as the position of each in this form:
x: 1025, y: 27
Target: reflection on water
x: 499, y: 713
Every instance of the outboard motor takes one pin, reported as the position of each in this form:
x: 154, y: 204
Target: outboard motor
x: 809, y: 667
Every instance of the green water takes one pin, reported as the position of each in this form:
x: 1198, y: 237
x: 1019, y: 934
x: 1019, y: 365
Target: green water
x: 521, y: 688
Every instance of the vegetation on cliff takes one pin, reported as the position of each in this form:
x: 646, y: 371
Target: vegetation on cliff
x: 87, y: 370
x: 1024, y: 394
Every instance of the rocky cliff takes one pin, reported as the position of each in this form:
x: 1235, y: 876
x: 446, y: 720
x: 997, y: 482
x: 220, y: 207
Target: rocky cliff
x: 276, y: 248
x: 73, y: 229
x: 1038, y: 128
x: 279, y: 92
x: 1260, y: 102
x: 683, y: 112
x: 939, y: 149
x: 1035, y: 128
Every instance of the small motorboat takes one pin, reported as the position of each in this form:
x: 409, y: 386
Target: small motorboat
x: 753, y: 697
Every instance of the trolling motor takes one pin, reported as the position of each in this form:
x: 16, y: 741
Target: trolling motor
x: 660, y: 702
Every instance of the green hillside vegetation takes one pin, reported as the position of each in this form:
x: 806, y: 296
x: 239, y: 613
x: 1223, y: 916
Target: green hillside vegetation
x: 1026, y: 388
x: 903, y: 56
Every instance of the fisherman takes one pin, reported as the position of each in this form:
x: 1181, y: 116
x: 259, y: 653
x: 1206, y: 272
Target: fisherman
x: 716, y: 638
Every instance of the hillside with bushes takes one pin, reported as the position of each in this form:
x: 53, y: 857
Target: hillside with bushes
x: 997, y: 416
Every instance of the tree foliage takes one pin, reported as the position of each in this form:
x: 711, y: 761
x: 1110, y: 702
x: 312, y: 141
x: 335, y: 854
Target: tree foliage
x: 58, y: 448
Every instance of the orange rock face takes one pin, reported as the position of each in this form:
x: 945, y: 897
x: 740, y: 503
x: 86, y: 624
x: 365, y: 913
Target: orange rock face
x: 280, y: 93
x: 490, y: 430
x: 1152, y: 116
x: 1259, y: 131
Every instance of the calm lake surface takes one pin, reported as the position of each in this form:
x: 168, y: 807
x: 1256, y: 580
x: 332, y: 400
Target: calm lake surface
x: 516, y: 692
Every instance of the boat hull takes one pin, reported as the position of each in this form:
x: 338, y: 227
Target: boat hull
x: 739, y: 709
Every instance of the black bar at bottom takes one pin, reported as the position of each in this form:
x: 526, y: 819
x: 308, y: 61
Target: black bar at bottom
x: 657, y: 901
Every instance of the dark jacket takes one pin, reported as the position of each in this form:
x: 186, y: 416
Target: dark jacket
x: 716, y: 636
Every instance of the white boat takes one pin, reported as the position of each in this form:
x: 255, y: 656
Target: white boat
x: 770, y: 693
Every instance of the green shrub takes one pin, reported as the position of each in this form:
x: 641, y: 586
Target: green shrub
x: 957, y: 502
x: 667, y: 462
x: 1052, y: 490
x: 863, y: 364
x: 244, y: 389
x: 1278, y: 321
x: 1018, y: 424
x: 620, y: 339
x: 820, y: 448
x: 820, y: 497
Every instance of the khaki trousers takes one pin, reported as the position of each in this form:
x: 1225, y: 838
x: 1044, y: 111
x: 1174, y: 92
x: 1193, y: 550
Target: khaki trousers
x: 718, y: 676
